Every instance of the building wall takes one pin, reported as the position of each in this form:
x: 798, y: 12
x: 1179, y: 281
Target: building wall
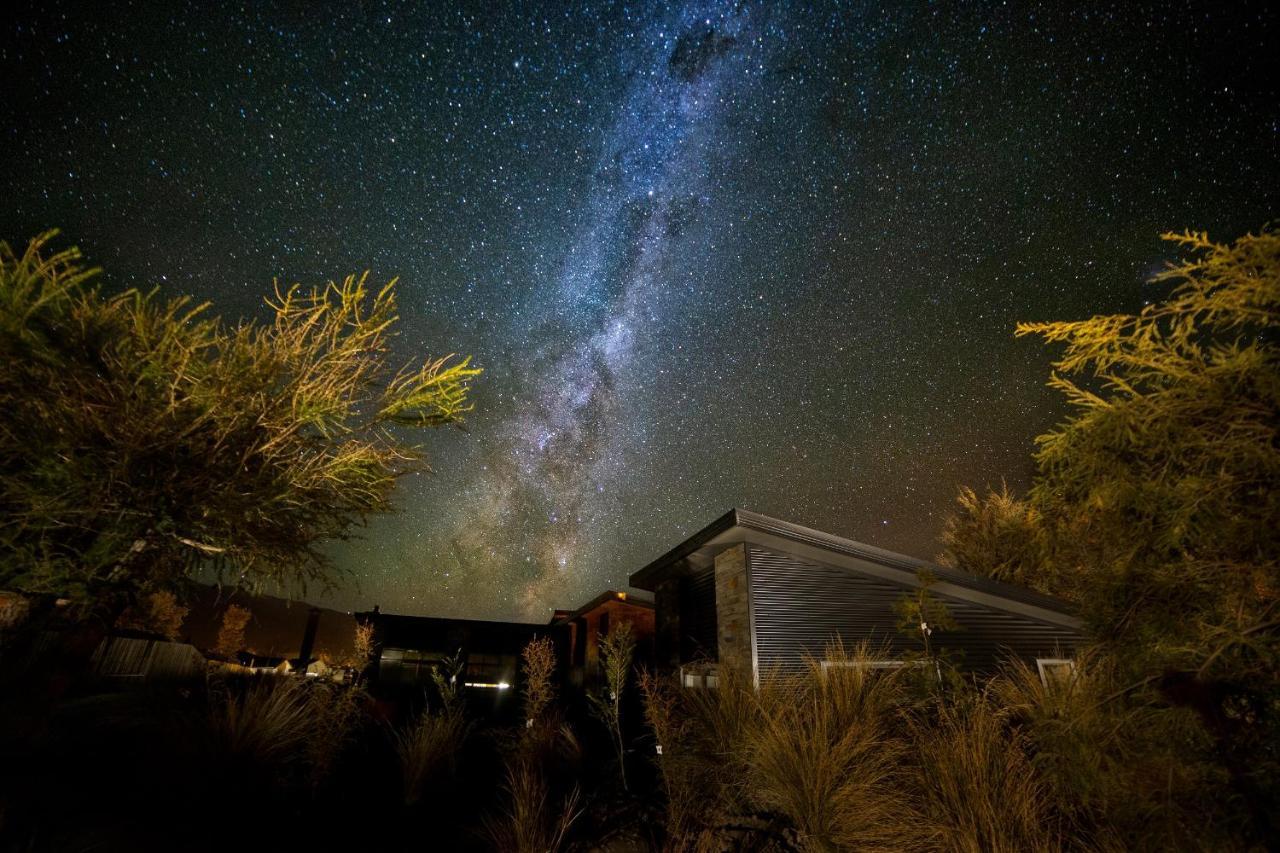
x: 667, y: 606
x: 733, y: 607
x: 800, y: 607
x: 697, y: 607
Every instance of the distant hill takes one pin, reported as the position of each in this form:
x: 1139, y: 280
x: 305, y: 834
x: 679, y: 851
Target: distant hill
x: 277, y: 625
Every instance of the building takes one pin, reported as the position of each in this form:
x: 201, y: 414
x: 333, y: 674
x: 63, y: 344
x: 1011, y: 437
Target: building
x: 132, y: 658
x: 578, y: 632
x: 406, y: 649
x: 766, y: 594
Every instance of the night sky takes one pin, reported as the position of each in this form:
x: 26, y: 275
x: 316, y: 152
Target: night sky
x: 709, y: 254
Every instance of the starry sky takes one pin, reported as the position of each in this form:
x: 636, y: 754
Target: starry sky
x: 709, y: 254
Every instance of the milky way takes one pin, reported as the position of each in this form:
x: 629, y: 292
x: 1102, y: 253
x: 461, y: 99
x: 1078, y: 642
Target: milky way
x: 565, y: 446
x: 709, y: 254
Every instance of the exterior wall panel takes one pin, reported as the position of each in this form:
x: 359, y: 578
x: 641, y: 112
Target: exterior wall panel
x: 799, y: 607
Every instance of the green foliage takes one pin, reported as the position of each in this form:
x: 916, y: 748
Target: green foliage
x: 447, y: 678
x: 141, y: 439
x: 1121, y: 772
x: 920, y: 613
x: 997, y: 535
x: 1164, y: 486
x: 1156, y: 509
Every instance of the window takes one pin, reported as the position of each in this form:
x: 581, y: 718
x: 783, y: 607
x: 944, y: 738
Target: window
x: 699, y: 677
x: 408, y: 666
x: 868, y: 664
x: 1056, y: 671
x: 490, y: 670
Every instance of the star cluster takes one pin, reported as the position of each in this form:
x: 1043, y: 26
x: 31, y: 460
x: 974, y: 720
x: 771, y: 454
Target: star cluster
x: 710, y: 254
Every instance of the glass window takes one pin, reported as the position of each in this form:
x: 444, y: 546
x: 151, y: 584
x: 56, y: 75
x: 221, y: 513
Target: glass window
x: 1056, y: 672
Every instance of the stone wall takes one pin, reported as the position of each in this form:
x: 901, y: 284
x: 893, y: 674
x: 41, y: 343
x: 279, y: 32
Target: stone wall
x: 733, y: 612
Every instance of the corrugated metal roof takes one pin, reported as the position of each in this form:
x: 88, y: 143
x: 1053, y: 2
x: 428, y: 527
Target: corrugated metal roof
x: 747, y: 522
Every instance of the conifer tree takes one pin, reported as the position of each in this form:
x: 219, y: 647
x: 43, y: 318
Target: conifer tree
x: 1156, y: 504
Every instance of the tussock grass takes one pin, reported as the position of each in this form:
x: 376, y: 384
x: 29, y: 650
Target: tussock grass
x: 428, y: 749
x: 534, y: 819
x: 979, y: 792
x: 265, y: 724
x: 823, y: 752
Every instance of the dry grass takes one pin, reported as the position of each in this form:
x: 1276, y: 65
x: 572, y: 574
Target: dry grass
x: 266, y: 724
x: 428, y: 749
x: 336, y: 713
x: 824, y: 753
x: 1124, y: 773
x: 534, y: 820
x: 979, y: 792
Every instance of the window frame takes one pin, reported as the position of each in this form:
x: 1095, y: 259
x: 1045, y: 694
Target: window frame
x: 1044, y: 664
x: 869, y: 664
x: 699, y: 677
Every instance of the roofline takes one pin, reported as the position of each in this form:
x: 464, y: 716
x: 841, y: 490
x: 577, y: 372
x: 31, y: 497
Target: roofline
x: 642, y: 578
x: 382, y: 614
x: 619, y: 596
x: 647, y: 576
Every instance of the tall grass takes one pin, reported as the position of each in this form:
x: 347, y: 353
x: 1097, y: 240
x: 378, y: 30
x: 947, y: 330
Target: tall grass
x: 978, y: 790
x: 824, y: 752
x: 262, y: 723
x: 428, y: 749
x: 535, y: 819
x: 541, y: 798
x: 1125, y: 774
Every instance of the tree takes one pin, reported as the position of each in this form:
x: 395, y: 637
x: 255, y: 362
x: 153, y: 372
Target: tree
x: 920, y: 613
x: 361, y: 648
x: 141, y: 439
x: 158, y: 612
x: 231, y: 635
x: 616, y: 651
x: 1156, y: 504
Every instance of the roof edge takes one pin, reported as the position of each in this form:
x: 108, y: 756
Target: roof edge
x: 760, y: 523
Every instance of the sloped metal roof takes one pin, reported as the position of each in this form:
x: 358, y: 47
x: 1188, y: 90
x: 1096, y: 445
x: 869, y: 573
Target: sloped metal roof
x: 739, y: 525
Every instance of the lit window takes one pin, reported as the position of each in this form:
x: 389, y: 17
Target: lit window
x: 1056, y: 671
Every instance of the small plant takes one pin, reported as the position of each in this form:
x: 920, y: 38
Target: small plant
x: 361, y: 647
x: 539, y: 669
x: 617, y: 649
x: 920, y: 614
x: 447, y: 677
x: 336, y: 712
x: 676, y: 767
